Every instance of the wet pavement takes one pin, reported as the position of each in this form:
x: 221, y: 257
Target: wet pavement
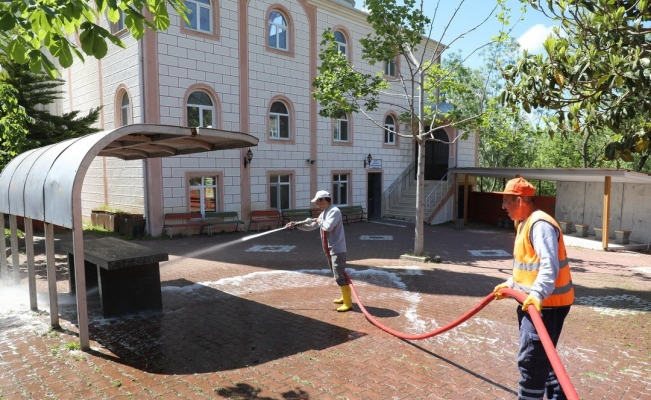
x: 255, y: 320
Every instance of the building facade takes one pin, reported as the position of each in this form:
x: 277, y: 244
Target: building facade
x: 247, y: 67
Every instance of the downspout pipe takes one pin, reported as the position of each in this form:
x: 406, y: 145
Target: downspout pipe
x: 143, y: 119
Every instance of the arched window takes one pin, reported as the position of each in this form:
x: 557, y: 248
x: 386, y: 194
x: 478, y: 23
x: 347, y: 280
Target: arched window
x: 341, y: 42
x: 200, y: 15
x: 341, y: 129
x: 278, y: 121
x: 125, y: 110
x: 389, y: 130
x: 278, y: 31
x: 201, y: 111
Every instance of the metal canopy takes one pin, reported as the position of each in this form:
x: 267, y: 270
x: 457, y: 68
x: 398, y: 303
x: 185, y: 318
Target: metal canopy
x: 559, y: 174
x: 41, y: 184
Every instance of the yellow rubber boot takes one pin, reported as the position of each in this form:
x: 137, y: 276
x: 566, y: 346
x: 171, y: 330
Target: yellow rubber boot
x: 339, y: 300
x: 347, y: 299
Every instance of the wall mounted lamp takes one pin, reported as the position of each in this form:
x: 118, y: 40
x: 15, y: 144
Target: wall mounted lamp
x: 248, y: 157
x: 367, y: 160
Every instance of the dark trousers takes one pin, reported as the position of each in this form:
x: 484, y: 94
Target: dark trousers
x: 537, y: 378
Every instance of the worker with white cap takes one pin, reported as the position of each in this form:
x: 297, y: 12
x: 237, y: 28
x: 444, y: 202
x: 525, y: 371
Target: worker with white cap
x: 333, y: 239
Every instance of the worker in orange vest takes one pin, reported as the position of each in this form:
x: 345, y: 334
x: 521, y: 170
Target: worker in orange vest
x: 540, y: 270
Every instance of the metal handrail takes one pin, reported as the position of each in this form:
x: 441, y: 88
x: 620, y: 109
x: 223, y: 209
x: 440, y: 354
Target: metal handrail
x: 400, y: 178
x: 435, y: 187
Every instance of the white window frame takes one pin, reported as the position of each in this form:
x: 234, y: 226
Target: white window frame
x: 390, y: 68
x: 340, y: 183
x: 203, y: 187
x: 389, y: 131
x: 279, y: 184
x: 342, y: 46
x: 201, y: 108
x: 339, y: 123
x: 125, y: 110
x: 274, y: 122
x: 279, y: 29
x: 196, y: 18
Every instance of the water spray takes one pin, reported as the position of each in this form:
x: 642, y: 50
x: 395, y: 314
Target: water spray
x: 223, y: 245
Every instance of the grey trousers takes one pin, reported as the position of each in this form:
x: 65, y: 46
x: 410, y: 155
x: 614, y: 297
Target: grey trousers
x: 337, y: 263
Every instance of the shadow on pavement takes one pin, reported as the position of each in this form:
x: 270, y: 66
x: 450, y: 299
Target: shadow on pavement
x: 207, y: 332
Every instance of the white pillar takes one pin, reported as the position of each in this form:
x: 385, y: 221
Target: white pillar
x: 51, y: 275
x: 31, y: 270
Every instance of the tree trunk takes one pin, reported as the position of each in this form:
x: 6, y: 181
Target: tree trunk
x: 420, y: 198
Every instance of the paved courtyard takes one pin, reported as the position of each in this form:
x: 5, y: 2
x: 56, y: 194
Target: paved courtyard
x: 255, y: 320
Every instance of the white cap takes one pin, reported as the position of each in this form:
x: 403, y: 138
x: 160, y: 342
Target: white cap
x: 320, y: 195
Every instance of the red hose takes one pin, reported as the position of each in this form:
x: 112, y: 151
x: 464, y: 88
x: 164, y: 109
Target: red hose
x: 557, y: 365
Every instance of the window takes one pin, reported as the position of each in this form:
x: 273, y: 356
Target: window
x: 199, y: 16
x: 390, y: 68
x: 125, y: 110
x: 340, y: 189
x: 279, y: 191
x: 201, y: 111
x: 341, y: 129
x: 341, y: 42
x: 278, y: 31
x: 389, y: 130
x: 203, y: 194
x: 278, y: 121
x: 119, y: 25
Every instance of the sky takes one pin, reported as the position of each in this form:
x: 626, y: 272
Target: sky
x: 530, y: 32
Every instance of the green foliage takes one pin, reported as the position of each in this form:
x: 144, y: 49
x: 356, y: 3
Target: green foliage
x: 30, y: 28
x: 27, y: 125
x: 13, y: 122
x: 595, y: 77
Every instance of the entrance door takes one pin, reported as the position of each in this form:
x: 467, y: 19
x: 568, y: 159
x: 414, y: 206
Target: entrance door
x: 436, y: 156
x: 374, y: 195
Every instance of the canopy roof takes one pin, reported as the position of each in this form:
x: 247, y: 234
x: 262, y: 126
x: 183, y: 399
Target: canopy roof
x: 560, y: 174
x: 43, y: 183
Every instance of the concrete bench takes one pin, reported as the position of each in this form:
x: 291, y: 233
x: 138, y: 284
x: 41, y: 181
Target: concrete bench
x: 621, y: 236
x: 353, y: 213
x: 126, y: 273
x: 182, y: 220
x: 566, y: 226
x: 296, y: 214
x: 222, y: 218
x: 582, y: 229
x: 265, y: 216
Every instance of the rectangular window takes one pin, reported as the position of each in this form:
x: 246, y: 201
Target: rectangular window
x: 279, y: 191
x: 278, y: 126
x: 390, y: 68
x: 203, y: 194
x: 341, y: 130
x: 340, y: 189
x: 389, y: 135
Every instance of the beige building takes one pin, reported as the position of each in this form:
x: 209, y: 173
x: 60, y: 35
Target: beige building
x: 247, y: 67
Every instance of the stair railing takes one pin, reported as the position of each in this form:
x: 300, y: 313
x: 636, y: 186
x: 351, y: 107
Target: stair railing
x: 394, y: 191
x: 436, y: 194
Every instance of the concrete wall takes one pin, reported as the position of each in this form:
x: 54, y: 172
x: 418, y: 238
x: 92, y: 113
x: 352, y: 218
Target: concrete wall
x: 582, y: 202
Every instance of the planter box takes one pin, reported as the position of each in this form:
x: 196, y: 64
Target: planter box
x: 566, y: 226
x: 122, y: 223
x: 582, y: 230
x: 597, y: 233
x: 621, y: 237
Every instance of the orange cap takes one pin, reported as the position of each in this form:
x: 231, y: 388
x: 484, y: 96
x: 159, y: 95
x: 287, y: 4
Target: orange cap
x: 518, y: 187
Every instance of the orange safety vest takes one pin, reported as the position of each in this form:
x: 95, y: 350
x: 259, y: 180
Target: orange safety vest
x: 527, y: 263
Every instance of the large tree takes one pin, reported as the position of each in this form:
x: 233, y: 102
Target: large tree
x: 399, y: 31
x: 13, y: 123
x: 34, y: 92
x: 29, y: 28
x: 595, y: 76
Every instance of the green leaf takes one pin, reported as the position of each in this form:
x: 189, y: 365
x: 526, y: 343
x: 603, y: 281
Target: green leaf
x: 17, y: 51
x: 7, y: 21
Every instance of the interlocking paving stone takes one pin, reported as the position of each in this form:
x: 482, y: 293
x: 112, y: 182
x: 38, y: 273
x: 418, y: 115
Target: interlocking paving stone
x: 238, y: 324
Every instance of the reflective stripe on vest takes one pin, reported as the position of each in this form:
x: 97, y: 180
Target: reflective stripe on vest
x: 527, y: 263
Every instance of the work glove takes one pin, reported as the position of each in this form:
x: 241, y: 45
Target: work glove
x: 498, y: 295
x: 532, y: 300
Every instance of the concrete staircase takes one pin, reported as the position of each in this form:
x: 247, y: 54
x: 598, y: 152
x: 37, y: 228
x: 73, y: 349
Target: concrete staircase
x: 405, y: 207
